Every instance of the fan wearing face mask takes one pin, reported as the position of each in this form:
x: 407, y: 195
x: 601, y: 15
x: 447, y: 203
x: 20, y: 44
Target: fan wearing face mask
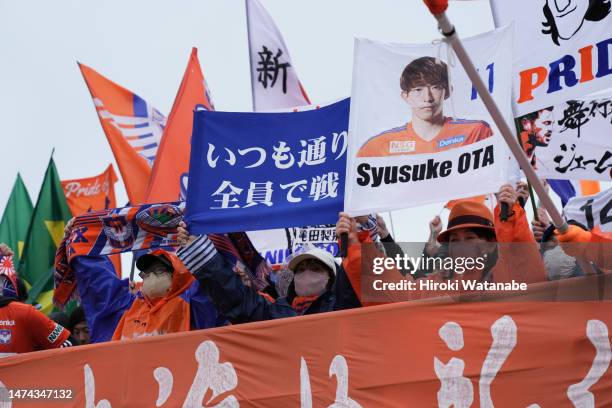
x: 170, y: 300
x: 312, y: 290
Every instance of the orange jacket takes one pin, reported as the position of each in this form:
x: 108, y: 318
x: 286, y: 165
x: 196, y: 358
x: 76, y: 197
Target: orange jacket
x: 170, y: 314
x: 522, y: 263
x: 588, y: 245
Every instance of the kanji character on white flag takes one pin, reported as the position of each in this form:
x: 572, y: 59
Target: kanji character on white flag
x: 273, y: 78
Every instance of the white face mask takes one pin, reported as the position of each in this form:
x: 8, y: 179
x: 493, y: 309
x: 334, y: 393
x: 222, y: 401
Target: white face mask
x: 310, y: 283
x: 156, y: 286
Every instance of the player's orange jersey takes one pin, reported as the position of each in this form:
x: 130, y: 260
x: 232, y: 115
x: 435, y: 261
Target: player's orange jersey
x: 24, y: 329
x: 404, y: 140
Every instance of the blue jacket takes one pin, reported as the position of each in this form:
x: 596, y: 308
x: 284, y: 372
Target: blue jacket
x: 105, y: 298
x: 240, y: 303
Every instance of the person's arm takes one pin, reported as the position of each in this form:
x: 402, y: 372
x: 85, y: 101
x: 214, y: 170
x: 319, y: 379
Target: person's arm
x: 204, y: 315
x: 239, y: 303
x: 519, y: 256
x: 46, y: 334
x: 103, y: 295
x: 392, y: 249
x: 361, y: 251
x: 586, y: 245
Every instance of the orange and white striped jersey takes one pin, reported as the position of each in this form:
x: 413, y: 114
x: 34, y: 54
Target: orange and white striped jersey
x: 404, y: 140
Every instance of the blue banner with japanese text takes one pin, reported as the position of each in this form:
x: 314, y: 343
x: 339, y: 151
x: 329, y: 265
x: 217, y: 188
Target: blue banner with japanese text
x: 257, y: 171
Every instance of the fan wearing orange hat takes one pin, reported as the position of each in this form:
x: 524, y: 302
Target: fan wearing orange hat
x: 472, y: 231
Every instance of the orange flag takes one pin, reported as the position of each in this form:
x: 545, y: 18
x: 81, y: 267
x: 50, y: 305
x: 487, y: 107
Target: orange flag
x: 171, y: 169
x: 133, y: 129
x: 91, y: 194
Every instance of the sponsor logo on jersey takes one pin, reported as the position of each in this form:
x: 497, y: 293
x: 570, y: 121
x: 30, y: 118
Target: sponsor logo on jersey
x: 451, y: 141
x: 402, y: 146
x: 55, y: 333
x: 7, y: 322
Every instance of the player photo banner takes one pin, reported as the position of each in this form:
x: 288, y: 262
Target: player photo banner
x: 418, y: 131
x: 562, y: 49
x: 571, y: 140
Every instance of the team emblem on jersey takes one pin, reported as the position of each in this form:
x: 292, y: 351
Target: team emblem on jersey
x: 118, y: 230
x: 451, y: 141
x: 402, y: 146
x: 159, y: 219
x: 6, y: 336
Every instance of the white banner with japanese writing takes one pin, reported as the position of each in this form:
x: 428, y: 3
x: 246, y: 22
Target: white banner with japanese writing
x: 562, y: 49
x: 418, y: 131
x: 277, y: 245
x: 591, y: 212
x: 571, y: 140
x: 273, y: 77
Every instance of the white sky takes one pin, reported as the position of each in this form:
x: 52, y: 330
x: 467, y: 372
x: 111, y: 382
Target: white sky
x: 144, y: 46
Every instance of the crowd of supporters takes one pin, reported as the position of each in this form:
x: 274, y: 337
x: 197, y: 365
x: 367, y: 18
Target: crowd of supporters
x: 197, y: 288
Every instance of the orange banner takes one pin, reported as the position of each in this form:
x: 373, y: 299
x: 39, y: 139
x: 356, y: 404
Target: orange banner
x: 91, y: 193
x: 171, y: 169
x: 509, y: 354
x: 133, y: 129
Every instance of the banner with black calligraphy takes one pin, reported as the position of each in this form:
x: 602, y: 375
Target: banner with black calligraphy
x: 562, y: 49
x: 274, y: 81
x: 257, y: 171
x: 276, y: 246
x: 419, y: 132
x: 571, y: 140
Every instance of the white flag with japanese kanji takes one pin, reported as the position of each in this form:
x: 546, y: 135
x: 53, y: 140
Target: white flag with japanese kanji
x: 273, y: 77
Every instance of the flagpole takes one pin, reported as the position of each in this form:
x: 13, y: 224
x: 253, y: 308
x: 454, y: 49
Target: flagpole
x: 133, y: 265
x: 246, y: 7
x: 438, y: 8
x: 534, y: 206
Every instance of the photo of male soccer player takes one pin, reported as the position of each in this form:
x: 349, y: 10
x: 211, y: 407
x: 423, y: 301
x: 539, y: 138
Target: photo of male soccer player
x: 424, y: 86
x: 536, y: 130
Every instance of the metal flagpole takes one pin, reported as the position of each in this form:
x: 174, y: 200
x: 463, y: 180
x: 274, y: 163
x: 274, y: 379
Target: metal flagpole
x: 438, y: 9
x: 392, y: 225
x: 246, y: 7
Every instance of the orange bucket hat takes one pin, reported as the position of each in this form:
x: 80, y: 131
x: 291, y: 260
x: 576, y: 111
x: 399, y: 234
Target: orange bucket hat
x: 468, y: 214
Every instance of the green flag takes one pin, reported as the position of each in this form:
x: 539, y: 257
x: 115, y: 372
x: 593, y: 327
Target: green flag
x: 44, y: 235
x: 16, y: 218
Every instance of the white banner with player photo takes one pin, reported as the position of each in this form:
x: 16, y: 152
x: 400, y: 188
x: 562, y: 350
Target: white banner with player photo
x: 562, y: 49
x: 591, y: 212
x: 570, y: 141
x: 418, y: 131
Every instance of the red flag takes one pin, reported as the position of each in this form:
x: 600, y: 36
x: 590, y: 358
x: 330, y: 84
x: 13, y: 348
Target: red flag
x: 171, y: 169
x: 133, y: 129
